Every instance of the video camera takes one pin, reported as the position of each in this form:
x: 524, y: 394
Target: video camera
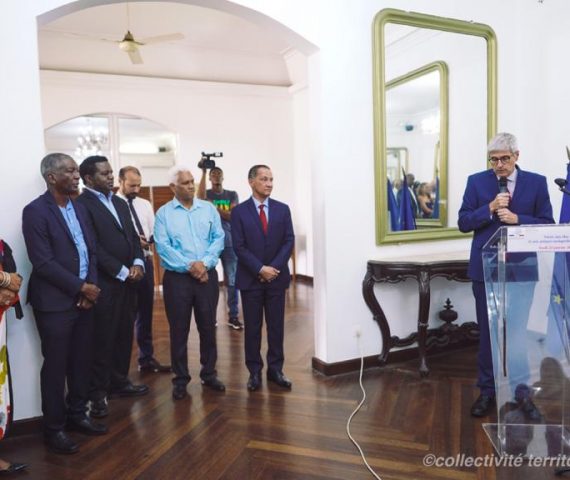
x: 206, y: 161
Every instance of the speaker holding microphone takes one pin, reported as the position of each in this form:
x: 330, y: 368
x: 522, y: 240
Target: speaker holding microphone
x: 502, y: 189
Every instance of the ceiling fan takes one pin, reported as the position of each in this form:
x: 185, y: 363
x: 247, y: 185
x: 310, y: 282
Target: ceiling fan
x: 129, y: 44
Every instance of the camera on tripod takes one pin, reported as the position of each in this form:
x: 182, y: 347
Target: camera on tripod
x: 206, y: 161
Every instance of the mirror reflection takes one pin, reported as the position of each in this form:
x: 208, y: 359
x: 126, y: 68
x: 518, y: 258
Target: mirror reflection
x: 414, y: 117
x: 435, y: 108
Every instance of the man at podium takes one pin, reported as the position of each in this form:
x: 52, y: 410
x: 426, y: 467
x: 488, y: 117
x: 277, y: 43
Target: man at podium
x: 502, y: 195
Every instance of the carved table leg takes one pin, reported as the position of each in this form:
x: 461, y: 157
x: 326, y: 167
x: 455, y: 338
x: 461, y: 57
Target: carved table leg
x: 423, y: 320
x: 378, y: 315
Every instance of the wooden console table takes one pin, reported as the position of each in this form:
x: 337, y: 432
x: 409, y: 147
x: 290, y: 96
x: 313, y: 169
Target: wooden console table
x: 422, y: 268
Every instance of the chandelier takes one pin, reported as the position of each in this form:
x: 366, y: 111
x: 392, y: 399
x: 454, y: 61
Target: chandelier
x: 90, y: 142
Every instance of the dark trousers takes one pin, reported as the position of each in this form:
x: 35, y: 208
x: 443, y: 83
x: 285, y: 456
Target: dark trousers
x: 182, y: 295
x: 66, y: 347
x: 113, y: 337
x: 486, y: 378
x: 143, y: 320
x: 255, y: 303
x: 229, y: 264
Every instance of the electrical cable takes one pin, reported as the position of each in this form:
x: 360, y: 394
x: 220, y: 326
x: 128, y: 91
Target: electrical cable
x: 356, y: 411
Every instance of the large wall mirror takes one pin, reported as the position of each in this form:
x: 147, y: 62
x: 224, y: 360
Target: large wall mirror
x: 435, y: 107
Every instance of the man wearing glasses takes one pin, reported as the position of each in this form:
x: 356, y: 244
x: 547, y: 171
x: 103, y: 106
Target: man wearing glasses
x: 490, y: 202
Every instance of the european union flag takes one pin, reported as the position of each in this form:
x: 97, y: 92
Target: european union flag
x: 559, y: 308
x: 407, y: 219
x: 393, y: 209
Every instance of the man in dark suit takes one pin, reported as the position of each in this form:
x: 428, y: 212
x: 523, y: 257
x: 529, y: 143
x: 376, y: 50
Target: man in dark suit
x: 263, y: 240
x: 120, y: 267
x: 62, y: 290
x: 483, y: 211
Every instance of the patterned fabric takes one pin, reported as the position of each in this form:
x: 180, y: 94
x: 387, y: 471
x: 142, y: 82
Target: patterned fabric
x: 5, y: 380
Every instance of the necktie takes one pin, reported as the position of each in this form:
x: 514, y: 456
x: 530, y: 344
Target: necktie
x: 136, y: 219
x: 263, y: 219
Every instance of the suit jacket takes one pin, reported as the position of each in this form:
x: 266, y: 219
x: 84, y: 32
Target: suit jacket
x: 255, y: 249
x: 530, y: 202
x: 117, y: 244
x: 55, y: 283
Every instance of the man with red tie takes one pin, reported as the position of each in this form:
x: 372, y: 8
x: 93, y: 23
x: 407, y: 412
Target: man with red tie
x: 263, y: 240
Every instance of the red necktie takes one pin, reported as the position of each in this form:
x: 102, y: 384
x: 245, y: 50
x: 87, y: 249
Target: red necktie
x: 263, y: 219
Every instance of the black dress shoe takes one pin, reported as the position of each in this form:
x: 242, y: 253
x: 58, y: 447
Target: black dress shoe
x: 14, y: 467
x: 59, y: 442
x: 154, y: 366
x: 530, y: 410
x: 214, y: 383
x: 85, y: 425
x: 98, y: 408
x: 482, y: 406
x: 179, y: 392
x: 279, y: 378
x: 130, y: 390
x: 254, y: 382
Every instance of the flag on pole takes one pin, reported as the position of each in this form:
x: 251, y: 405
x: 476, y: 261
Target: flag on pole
x: 407, y: 219
x: 393, y: 209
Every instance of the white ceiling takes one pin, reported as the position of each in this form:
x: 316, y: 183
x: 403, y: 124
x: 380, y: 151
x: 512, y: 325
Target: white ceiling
x: 217, y: 46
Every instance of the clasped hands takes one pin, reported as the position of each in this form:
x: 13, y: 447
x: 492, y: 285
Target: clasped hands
x: 267, y: 274
x: 199, y: 271
x: 8, y: 294
x: 500, y: 206
x: 88, y: 296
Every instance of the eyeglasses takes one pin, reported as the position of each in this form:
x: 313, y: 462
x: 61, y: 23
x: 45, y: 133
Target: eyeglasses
x: 504, y: 159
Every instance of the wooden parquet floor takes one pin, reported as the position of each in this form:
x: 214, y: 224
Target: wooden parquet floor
x: 276, y: 434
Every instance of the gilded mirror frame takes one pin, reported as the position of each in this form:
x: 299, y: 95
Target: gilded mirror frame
x: 419, y: 20
x: 441, y: 147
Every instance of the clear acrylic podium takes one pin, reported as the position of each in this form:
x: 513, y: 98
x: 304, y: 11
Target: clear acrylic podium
x: 528, y: 300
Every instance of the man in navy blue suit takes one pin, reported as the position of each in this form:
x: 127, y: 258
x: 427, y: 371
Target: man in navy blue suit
x: 483, y: 211
x: 62, y: 290
x: 263, y: 240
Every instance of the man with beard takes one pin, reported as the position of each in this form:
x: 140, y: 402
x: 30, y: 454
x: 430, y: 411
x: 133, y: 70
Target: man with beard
x: 142, y: 215
x: 120, y: 268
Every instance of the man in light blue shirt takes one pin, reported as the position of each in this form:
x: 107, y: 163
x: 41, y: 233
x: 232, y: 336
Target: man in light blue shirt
x: 189, y: 239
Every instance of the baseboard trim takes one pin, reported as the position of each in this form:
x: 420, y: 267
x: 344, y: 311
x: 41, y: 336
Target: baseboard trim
x: 404, y: 355
x: 304, y: 279
x: 26, y: 426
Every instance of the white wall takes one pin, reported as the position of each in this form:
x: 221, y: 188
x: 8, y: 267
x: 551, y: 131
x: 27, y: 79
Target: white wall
x: 533, y: 100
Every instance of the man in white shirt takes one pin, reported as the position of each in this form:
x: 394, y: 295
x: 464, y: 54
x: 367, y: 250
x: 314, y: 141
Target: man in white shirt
x: 142, y: 214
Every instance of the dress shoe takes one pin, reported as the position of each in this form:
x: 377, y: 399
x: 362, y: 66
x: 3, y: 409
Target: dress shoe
x: 482, y: 406
x: 279, y: 378
x: 530, y: 410
x: 98, y: 408
x: 14, y: 467
x: 59, y: 442
x: 214, y: 383
x: 254, y: 382
x: 85, y: 425
x: 154, y: 366
x: 130, y: 390
x: 179, y: 392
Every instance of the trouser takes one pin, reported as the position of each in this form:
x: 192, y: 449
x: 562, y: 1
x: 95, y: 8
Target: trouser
x: 113, y: 337
x: 182, y: 295
x: 143, y: 320
x: 519, y: 297
x: 256, y: 303
x: 66, y: 347
x: 229, y: 263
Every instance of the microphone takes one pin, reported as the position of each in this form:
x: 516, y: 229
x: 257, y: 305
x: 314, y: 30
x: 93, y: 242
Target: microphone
x: 503, y: 185
x: 502, y: 189
x: 562, y: 182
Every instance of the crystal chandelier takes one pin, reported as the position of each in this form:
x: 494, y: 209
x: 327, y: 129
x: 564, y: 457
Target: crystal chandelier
x: 90, y: 142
